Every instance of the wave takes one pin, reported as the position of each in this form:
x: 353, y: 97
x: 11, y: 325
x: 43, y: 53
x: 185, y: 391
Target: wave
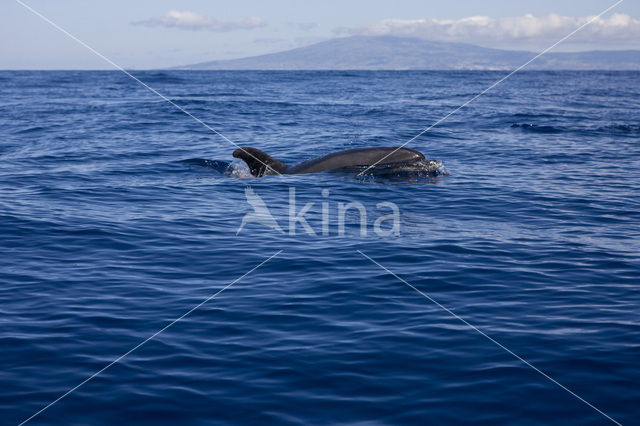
x: 158, y: 77
x: 31, y: 130
x: 237, y: 169
x: 622, y: 128
x: 534, y: 128
x: 617, y: 129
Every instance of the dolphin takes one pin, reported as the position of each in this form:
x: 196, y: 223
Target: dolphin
x: 387, y: 158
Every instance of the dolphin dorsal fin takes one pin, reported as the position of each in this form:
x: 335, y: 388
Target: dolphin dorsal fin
x: 260, y: 163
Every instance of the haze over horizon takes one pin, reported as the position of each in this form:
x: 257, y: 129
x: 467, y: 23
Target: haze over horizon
x: 165, y: 33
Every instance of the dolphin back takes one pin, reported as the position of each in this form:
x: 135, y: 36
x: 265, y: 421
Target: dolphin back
x: 261, y: 163
x: 358, y: 157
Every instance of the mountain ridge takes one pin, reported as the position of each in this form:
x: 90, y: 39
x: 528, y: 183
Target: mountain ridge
x: 407, y: 53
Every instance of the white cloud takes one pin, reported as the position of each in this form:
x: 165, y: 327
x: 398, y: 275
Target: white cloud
x: 186, y: 20
x: 618, y: 28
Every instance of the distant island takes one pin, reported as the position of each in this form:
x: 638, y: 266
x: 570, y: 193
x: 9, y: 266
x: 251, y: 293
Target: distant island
x: 403, y: 53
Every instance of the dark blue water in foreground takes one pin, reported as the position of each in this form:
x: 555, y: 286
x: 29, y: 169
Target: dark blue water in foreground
x: 106, y: 237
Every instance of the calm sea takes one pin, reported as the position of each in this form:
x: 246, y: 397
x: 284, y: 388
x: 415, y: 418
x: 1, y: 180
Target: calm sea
x: 107, y: 236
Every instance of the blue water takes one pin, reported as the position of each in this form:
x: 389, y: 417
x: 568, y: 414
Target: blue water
x: 533, y: 237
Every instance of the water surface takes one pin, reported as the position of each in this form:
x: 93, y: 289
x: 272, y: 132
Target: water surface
x: 106, y: 236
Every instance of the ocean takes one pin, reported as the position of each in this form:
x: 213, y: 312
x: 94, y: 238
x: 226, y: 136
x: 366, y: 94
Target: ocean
x: 504, y: 289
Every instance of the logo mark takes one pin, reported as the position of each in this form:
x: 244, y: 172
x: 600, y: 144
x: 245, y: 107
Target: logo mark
x: 260, y: 213
x: 385, y: 225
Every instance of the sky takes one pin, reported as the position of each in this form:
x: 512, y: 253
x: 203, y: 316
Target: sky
x: 143, y: 34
